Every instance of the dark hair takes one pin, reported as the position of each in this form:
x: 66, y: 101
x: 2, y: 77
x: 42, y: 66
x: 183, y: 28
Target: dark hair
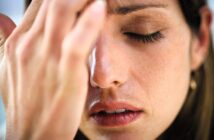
x: 196, y: 119
x: 191, y: 11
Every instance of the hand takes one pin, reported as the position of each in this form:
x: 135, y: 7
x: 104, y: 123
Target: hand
x: 45, y: 64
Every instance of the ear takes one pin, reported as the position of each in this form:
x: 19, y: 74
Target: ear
x: 201, y: 42
x: 6, y: 26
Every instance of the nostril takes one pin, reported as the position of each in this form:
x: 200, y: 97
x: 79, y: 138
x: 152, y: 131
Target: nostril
x: 116, y: 83
x: 103, y: 84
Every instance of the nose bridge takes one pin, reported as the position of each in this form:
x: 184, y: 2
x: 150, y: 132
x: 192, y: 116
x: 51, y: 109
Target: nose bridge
x: 107, y: 71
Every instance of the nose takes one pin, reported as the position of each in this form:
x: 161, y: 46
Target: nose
x: 107, y: 69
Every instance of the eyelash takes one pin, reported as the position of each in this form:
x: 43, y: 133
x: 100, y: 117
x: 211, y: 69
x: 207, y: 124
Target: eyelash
x: 149, y: 38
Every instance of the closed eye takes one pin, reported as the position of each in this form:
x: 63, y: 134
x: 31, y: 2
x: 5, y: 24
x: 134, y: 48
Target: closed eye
x: 148, y: 38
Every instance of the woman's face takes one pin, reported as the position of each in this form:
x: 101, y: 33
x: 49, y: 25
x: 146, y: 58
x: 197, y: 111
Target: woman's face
x: 140, y: 71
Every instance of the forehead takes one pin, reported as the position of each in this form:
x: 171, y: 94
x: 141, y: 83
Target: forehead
x: 167, y: 4
x: 131, y: 2
x: 122, y: 6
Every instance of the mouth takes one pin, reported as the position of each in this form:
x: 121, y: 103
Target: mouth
x: 114, y: 114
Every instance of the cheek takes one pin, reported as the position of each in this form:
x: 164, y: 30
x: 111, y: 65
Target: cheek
x: 162, y: 71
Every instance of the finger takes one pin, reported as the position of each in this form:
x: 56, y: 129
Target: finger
x: 69, y: 101
x: 39, y: 22
x: 62, y: 13
x: 26, y: 24
x: 29, y: 41
x: 11, y: 43
x: 30, y: 16
x: 74, y: 81
x: 60, y: 19
x: 79, y: 42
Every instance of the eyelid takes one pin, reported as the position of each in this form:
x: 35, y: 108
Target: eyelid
x: 149, y: 38
x: 142, y: 28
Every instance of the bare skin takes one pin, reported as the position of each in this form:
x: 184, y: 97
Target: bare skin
x: 45, y: 66
x: 41, y: 95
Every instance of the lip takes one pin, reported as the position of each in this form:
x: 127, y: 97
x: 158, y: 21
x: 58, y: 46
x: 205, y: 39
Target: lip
x: 115, y: 119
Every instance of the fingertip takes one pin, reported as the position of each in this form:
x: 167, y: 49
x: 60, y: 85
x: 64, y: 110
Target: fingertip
x: 99, y: 8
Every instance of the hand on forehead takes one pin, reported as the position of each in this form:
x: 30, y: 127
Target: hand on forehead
x: 33, y: 9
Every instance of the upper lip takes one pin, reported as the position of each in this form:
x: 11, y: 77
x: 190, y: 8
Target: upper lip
x: 112, y: 106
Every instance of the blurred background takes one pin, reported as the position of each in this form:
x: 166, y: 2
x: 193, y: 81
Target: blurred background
x: 14, y: 9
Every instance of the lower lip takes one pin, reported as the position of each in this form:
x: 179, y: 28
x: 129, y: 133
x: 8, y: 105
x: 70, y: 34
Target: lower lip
x: 115, y: 120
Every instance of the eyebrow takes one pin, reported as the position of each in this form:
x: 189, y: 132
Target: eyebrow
x: 134, y: 8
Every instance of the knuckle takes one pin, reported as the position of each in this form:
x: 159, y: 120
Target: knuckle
x: 76, y: 55
x: 21, y: 55
x: 10, y: 45
x: 22, y: 51
x: 73, y: 58
x: 71, y: 50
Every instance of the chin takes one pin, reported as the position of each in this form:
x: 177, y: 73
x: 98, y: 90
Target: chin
x: 133, y: 131
x: 120, y: 135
